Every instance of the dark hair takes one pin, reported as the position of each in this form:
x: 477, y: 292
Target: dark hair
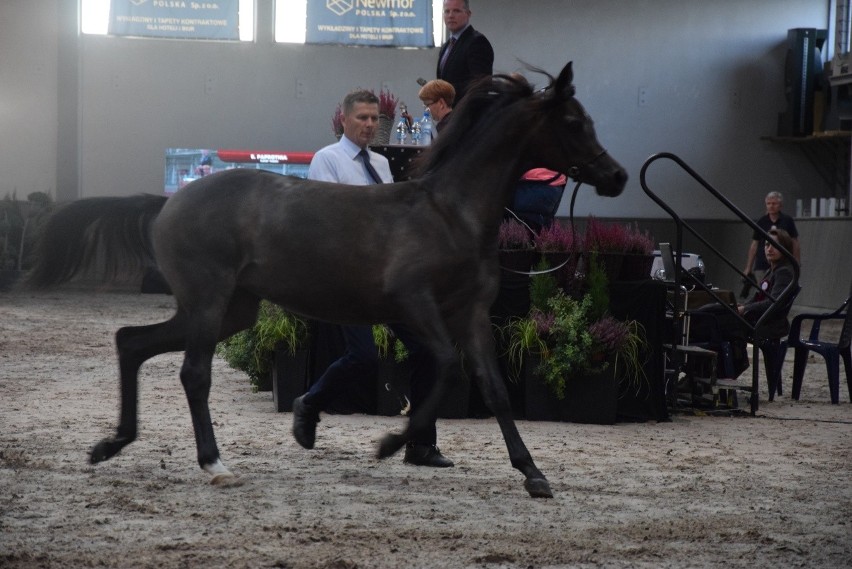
x: 783, y: 238
x: 358, y: 96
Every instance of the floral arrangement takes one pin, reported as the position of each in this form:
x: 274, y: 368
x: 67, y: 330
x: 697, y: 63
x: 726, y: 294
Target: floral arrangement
x: 608, y: 333
x: 569, y: 343
x: 617, y: 238
x: 576, y: 336
x: 337, y: 121
x: 557, y: 238
x: 513, y: 235
x: 626, y: 340
x: 543, y: 286
x: 387, y: 104
x: 639, y: 242
x: 605, y: 237
x: 253, y: 350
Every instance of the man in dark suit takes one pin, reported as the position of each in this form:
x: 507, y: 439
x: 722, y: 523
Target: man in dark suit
x: 467, y: 54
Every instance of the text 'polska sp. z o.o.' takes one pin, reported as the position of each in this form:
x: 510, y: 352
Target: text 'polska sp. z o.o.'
x: 384, y: 14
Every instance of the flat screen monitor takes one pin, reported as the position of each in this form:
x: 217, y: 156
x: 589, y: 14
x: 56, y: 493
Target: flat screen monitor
x: 183, y: 165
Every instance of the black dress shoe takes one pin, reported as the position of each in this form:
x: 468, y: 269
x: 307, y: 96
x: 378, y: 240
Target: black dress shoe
x: 305, y: 419
x: 425, y: 455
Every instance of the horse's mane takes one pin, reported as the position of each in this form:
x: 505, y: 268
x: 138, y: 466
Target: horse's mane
x: 487, y: 97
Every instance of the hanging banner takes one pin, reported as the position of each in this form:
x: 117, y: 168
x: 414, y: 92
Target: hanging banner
x: 210, y: 20
x: 392, y: 23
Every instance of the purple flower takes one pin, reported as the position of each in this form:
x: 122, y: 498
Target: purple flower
x: 605, y: 237
x: 513, y: 235
x: 556, y: 237
x: 610, y: 334
x: 543, y: 322
x: 639, y: 242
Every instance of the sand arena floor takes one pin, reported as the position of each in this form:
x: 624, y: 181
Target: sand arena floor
x: 774, y: 490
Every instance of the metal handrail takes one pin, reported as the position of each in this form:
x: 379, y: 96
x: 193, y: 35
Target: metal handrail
x: 786, y: 295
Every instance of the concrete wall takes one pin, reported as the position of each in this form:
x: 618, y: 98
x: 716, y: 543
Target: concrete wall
x: 85, y: 116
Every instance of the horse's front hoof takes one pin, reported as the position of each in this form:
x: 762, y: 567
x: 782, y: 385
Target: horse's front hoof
x: 389, y: 445
x: 538, y: 487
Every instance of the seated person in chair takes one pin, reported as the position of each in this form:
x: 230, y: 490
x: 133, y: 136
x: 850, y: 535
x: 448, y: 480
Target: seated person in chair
x: 537, y: 197
x: 715, y: 323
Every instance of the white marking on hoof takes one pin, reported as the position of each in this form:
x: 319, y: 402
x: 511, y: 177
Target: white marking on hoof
x: 221, y: 475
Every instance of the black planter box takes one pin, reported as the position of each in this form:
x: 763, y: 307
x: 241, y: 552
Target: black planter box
x: 289, y: 377
x: 540, y: 403
x: 592, y: 398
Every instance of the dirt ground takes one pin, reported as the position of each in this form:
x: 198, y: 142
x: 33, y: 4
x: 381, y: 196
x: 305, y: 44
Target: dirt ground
x: 697, y: 491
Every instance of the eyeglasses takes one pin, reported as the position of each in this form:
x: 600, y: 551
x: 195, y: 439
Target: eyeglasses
x: 428, y: 103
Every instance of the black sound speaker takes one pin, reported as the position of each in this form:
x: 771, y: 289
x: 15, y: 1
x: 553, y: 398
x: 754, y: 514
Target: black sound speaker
x: 803, y: 67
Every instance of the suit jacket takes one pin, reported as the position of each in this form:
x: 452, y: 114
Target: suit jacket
x: 471, y: 57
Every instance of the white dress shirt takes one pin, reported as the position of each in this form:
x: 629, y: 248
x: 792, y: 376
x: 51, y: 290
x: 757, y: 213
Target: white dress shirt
x: 339, y: 163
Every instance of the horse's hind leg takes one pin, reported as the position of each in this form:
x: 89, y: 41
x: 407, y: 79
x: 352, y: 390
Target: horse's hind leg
x: 479, y: 347
x: 207, y: 325
x: 135, y: 345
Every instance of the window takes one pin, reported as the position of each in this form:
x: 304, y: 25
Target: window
x: 291, y: 17
x: 94, y: 18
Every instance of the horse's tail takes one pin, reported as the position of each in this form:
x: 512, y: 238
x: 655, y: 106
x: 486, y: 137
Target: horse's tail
x: 107, y: 237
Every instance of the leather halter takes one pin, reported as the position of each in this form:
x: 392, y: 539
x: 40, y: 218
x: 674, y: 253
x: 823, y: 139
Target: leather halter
x: 574, y: 171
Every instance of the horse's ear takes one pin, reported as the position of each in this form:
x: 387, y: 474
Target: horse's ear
x: 563, y: 85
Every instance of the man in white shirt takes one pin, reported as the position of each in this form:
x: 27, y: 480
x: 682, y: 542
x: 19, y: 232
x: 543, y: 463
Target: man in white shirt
x: 350, y: 161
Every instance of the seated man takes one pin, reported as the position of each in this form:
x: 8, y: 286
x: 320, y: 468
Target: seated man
x: 713, y: 322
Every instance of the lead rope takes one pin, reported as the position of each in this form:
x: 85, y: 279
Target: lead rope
x: 573, y: 240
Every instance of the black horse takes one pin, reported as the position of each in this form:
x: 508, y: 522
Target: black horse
x: 421, y: 252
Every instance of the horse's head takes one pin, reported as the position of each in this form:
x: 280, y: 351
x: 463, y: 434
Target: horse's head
x: 565, y: 139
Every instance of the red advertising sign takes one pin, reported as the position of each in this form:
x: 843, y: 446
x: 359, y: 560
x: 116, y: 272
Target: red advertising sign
x: 264, y: 157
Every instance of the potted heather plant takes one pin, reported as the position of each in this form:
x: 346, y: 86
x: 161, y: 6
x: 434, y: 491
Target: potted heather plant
x: 607, y: 243
x: 515, y: 245
x: 273, y: 353
x: 638, y: 255
x: 559, y: 246
x: 573, y: 355
x: 387, y: 113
